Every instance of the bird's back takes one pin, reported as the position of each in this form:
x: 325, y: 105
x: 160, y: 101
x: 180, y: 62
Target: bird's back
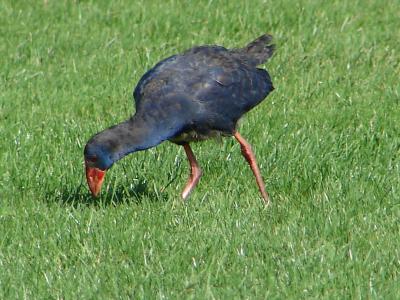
x: 206, y: 88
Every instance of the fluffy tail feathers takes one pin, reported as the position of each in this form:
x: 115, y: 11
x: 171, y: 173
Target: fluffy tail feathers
x: 258, y: 51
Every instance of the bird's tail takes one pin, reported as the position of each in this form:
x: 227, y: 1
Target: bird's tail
x: 258, y: 51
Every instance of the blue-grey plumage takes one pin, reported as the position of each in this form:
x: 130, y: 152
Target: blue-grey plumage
x: 211, y: 86
x: 188, y: 97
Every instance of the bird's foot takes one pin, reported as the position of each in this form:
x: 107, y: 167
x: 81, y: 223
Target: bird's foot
x: 192, y: 182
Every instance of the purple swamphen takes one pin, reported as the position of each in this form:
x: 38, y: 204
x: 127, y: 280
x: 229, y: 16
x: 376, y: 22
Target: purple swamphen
x: 188, y: 97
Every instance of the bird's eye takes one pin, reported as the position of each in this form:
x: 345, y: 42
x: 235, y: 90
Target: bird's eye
x: 92, y: 159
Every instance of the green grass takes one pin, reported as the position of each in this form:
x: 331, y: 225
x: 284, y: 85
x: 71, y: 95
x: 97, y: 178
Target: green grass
x: 327, y: 141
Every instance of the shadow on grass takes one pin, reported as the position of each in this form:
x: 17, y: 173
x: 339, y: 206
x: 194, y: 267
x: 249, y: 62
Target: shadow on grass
x: 112, y: 196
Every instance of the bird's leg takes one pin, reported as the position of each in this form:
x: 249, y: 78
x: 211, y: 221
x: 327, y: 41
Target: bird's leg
x: 248, y: 154
x: 195, y: 172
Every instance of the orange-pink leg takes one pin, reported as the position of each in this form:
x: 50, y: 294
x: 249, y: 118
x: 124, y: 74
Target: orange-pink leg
x: 195, y: 172
x: 251, y: 159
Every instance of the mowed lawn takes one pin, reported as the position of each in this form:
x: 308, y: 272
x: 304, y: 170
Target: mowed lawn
x: 327, y: 141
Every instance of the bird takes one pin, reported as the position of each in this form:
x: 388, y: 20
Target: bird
x: 198, y: 94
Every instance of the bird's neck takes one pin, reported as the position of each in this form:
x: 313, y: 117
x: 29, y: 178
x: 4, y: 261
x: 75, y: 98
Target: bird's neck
x: 127, y: 137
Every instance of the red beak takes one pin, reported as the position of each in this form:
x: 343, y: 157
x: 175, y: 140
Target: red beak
x: 94, y: 177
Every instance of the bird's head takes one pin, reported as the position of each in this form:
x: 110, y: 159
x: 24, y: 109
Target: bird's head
x: 114, y: 143
x: 98, y: 159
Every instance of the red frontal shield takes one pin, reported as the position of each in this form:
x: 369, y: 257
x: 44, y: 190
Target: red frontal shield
x: 94, y: 177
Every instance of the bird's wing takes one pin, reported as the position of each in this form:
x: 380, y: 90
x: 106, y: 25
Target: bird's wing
x: 232, y: 89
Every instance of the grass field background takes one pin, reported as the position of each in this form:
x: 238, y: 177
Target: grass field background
x: 327, y: 141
